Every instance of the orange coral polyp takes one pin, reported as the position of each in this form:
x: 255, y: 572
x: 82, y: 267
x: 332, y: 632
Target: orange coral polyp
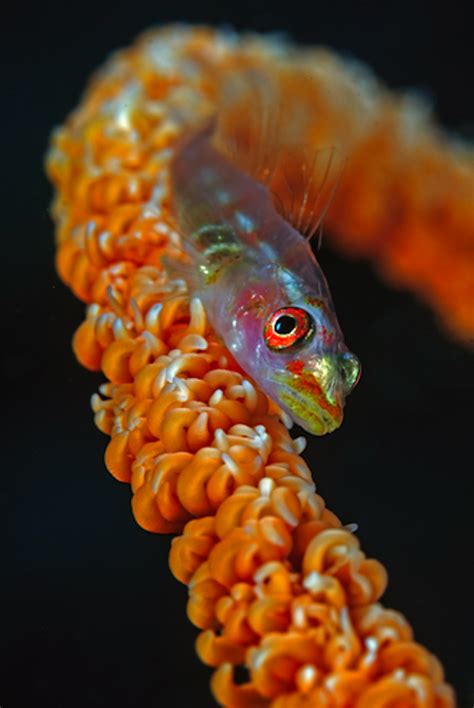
x: 276, y: 583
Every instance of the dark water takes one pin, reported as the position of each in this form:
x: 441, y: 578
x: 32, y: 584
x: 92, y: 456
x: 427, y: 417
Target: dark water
x: 90, y: 613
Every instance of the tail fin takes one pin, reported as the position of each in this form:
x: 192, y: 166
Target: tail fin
x: 267, y: 126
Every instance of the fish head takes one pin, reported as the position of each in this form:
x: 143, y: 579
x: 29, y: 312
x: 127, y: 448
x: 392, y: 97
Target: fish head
x: 309, y: 369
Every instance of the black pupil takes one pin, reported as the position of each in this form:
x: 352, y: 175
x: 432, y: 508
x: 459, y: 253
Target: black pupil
x: 285, y: 324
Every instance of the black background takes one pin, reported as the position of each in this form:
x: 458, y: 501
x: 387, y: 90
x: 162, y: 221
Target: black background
x: 91, y: 615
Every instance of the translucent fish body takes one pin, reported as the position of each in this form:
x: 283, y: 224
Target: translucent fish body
x: 248, y: 263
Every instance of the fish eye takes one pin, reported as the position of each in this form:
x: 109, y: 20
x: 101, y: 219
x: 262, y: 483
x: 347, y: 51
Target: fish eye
x: 287, y: 327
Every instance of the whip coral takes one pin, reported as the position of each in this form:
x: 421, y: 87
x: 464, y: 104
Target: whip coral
x: 276, y: 583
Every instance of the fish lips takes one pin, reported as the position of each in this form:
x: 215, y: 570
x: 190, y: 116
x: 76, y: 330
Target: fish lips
x: 310, y: 408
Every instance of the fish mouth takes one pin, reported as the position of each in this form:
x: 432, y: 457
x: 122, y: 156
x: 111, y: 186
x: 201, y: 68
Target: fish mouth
x: 310, y: 415
x: 309, y: 405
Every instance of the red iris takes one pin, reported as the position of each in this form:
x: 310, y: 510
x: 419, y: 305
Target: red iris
x: 287, y: 327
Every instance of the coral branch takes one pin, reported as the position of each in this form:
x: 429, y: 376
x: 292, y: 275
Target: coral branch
x: 276, y: 583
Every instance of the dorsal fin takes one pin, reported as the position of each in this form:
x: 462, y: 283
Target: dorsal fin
x: 267, y: 126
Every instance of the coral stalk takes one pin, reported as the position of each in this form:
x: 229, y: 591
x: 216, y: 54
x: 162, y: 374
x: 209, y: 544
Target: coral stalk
x: 276, y: 583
